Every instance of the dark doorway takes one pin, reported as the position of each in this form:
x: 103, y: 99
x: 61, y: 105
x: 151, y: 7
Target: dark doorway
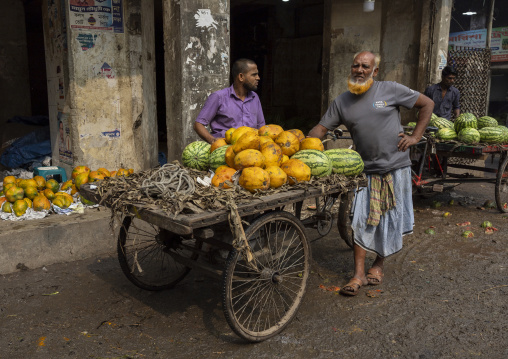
x: 285, y: 40
x: 36, y: 57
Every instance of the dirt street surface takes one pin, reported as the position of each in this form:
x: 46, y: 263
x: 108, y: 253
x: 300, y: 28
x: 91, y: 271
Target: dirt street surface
x: 444, y: 296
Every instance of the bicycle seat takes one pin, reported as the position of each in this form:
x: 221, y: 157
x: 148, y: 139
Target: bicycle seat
x: 431, y: 129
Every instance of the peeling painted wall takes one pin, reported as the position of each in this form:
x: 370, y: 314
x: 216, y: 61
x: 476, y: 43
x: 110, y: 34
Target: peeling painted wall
x: 393, y: 30
x: 351, y: 31
x: 196, y: 38
x: 109, y: 90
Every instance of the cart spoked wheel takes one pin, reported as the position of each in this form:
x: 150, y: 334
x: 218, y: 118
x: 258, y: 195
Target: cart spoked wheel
x: 261, y: 297
x: 344, y: 220
x: 145, y: 254
x: 501, y: 189
x: 324, y: 205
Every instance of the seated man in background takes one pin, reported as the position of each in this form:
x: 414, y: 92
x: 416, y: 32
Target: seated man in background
x: 445, y: 96
x: 234, y: 106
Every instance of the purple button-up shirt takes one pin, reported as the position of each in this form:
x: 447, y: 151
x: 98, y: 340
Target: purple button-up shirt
x: 223, y: 110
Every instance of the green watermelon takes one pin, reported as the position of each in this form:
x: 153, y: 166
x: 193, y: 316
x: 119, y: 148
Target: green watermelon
x: 469, y: 135
x: 218, y: 157
x: 505, y: 132
x: 345, y: 161
x: 317, y: 161
x: 441, y: 122
x: 486, y: 121
x: 411, y: 124
x: 465, y: 120
x: 446, y: 134
x: 491, y: 135
x: 196, y: 155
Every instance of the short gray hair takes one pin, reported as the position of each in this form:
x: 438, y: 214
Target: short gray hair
x: 377, y: 58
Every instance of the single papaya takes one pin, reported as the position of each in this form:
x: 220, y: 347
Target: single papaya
x: 79, y: 169
x: 31, y: 192
x: 53, y: 185
x: 14, y: 193
x: 41, y: 203
x: 19, y: 207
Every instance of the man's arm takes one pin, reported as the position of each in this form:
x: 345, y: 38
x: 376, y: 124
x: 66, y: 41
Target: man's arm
x: 205, y: 116
x: 425, y: 107
x: 261, y: 118
x: 456, y: 105
x: 202, y: 132
x: 319, y: 131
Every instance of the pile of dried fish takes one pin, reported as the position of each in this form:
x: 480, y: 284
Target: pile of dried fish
x: 173, y: 188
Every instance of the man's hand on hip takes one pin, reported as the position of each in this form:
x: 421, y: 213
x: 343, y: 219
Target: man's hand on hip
x: 406, y: 141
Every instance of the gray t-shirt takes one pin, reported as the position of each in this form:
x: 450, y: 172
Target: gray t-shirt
x: 373, y: 119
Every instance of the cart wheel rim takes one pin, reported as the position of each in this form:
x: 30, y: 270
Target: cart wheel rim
x: 260, y: 303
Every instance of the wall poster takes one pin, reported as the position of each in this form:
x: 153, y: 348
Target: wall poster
x: 103, y: 15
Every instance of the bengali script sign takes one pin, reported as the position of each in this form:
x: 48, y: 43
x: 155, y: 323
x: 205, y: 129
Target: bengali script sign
x: 478, y: 39
x: 103, y: 15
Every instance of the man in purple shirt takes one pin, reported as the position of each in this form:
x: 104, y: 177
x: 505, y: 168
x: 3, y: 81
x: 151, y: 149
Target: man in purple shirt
x: 233, y: 106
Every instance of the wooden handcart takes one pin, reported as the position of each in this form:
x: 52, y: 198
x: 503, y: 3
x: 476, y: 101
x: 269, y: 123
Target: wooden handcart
x: 430, y: 167
x: 264, y: 269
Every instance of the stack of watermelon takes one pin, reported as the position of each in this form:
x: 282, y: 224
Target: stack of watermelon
x: 470, y: 130
x: 235, y: 152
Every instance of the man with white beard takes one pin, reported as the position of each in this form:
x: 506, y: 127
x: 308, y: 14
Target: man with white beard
x: 383, y: 211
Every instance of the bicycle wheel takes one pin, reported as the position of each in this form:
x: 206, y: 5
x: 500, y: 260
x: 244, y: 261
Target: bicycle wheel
x: 324, y: 205
x: 144, y: 252
x: 344, y: 220
x: 501, y: 189
x: 260, y: 302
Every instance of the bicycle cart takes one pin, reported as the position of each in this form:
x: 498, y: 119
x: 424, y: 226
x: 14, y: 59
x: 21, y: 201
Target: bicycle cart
x: 264, y: 269
x: 431, y: 162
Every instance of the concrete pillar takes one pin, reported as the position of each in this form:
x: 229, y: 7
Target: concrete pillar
x: 101, y: 84
x: 196, y: 41
x: 440, y: 34
x: 14, y: 81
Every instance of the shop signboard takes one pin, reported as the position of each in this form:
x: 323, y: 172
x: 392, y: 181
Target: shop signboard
x: 478, y: 39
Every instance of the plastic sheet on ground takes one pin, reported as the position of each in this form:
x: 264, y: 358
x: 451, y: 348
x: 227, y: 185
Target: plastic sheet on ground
x: 76, y: 207
x: 29, y: 214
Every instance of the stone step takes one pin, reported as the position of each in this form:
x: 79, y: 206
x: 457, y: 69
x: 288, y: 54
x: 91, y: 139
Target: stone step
x: 55, y: 239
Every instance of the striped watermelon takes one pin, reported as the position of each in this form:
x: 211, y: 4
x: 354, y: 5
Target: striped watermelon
x: 441, y: 122
x: 491, y: 135
x: 218, y: 157
x: 345, y: 161
x: 411, y: 124
x: 317, y: 161
x: 196, y: 155
x: 465, y: 120
x: 486, y: 121
x: 469, y: 135
x: 505, y: 132
x: 446, y: 134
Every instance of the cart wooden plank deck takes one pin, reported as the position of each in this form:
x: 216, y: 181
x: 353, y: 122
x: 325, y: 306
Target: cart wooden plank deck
x: 264, y: 272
